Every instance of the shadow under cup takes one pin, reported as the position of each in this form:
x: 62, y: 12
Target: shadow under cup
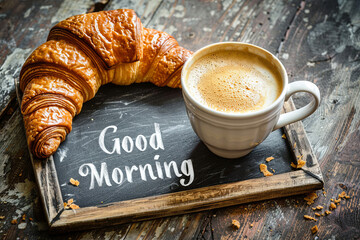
x: 233, y: 135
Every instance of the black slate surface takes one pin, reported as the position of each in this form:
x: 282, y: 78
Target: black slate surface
x: 135, y: 110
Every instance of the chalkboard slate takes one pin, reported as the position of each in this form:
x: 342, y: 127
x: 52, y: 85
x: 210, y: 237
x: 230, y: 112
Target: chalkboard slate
x: 134, y: 110
x: 145, y: 127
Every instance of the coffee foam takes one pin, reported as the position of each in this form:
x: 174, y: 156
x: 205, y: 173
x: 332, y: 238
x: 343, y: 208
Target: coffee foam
x: 233, y: 81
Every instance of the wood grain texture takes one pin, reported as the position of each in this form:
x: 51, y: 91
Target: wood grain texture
x: 333, y: 130
x: 49, y: 188
x: 224, y: 195
x: 322, y: 46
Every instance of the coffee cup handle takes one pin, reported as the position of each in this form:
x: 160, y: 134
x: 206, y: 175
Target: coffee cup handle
x: 301, y: 113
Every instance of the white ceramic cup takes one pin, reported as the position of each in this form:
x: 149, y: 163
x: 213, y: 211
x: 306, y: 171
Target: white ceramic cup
x: 233, y: 135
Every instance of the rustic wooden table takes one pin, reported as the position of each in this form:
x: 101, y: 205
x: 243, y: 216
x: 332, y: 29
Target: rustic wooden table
x: 318, y: 41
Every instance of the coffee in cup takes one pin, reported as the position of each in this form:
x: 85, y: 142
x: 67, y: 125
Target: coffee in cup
x: 234, y: 81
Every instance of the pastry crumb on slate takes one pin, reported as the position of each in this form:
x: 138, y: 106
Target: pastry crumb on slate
x: 264, y: 170
x: 74, y: 182
x: 70, y: 204
x: 300, y: 162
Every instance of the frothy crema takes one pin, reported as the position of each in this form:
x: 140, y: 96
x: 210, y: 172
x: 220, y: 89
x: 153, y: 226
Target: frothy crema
x: 234, y: 82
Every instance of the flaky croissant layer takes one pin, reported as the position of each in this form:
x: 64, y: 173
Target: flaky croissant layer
x: 82, y: 53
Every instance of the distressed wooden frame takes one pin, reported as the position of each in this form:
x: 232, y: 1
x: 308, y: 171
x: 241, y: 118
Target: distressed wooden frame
x: 291, y: 183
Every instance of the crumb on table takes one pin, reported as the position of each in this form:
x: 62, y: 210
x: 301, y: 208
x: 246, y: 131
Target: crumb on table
x: 307, y: 217
x: 332, y: 206
x: 314, y: 229
x: 344, y: 195
x: 310, y: 198
x: 318, y: 207
x: 235, y: 224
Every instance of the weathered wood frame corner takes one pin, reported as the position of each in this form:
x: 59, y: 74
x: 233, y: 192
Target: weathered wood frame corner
x: 295, y: 182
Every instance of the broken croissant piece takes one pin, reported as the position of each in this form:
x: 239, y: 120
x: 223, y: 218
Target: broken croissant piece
x: 82, y: 53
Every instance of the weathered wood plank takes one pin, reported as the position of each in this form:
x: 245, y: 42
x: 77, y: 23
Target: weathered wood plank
x: 195, y: 24
x: 322, y: 46
x: 17, y: 187
x: 189, y: 201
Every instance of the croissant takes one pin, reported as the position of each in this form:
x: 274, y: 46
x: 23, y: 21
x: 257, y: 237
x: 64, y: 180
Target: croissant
x: 82, y: 53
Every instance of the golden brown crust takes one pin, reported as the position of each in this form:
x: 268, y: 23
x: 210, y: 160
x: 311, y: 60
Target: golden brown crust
x: 82, y: 53
x: 114, y: 35
x: 51, y: 91
x: 46, y: 128
x: 153, y: 44
x: 59, y: 57
x: 170, y: 64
